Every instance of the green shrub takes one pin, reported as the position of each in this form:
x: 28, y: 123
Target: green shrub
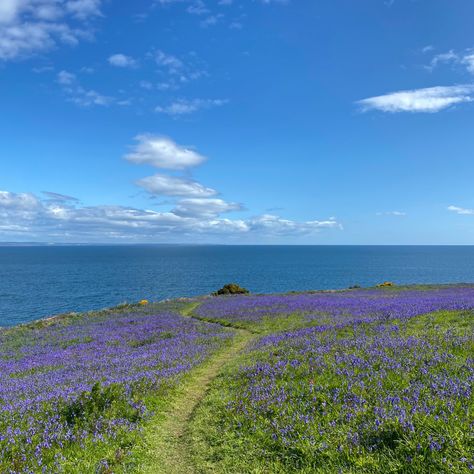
x: 231, y: 289
x: 101, y: 402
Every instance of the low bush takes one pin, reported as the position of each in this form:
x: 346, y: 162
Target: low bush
x: 231, y: 289
x: 101, y: 402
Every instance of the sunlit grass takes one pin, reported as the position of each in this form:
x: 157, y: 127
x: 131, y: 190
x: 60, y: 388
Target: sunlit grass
x: 393, y: 396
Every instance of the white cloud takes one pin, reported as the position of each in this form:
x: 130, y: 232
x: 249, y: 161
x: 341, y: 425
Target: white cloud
x: 83, y: 9
x: 146, y: 85
x: 78, y: 94
x: 49, y: 12
x: 162, y: 152
x: 204, y: 208
x: 169, y: 2
x: 166, y: 86
x: 198, y: 8
x: 465, y: 59
x: 443, y: 58
x: 9, y: 10
x: 30, y: 26
x: 468, y: 61
x: 121, y: 60
x: 88, y: 98
x: 20, y: 202
x: 175, y: 71
x: 186, y: 107
x: 66, y: 78
x: 24, y: 216
x: 431, y: 99
x: 160, y: 184
x: 168, y: 61
x: 392, y: 213
x: 461, y: 210
x: 56, y: 197
x: 211, y: 20
x: 270, y: 224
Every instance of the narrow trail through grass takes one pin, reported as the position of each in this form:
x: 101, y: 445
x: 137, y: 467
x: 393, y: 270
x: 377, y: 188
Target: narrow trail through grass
x: 167, y: 440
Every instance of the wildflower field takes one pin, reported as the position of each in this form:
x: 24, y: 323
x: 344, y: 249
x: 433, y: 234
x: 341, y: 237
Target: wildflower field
x: 75, y: 391
x: 374, y: 381
x: 355, y: 381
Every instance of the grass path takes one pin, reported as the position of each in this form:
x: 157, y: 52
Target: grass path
x: 167, y: 440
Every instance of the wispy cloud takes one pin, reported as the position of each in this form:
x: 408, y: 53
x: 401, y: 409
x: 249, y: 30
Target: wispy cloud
x: 25, y: 215
x: 78, y: 95
x: 173, y: 64
x: 56, y: 197
x: 211, y: 20
x: 204, y: 207
x: 146, y: 85
x: 176, y: 71
x: 392, y: 213
x: 443, y: 58
x: 162, y: 152
x: 271, y: 224
x: 213, y: 13
x: 66, y: 78
x: 163, y: 185
x: 461, y: 210
x: 198, y: 8
x: 186, y: 107
x: 465, y: 59
x: 122, y: 60
x: 431, y: 99
x: 236, y: 25
x: 84, y: 9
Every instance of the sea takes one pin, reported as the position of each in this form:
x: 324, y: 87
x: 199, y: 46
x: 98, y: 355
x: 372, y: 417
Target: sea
x: 41, y: 281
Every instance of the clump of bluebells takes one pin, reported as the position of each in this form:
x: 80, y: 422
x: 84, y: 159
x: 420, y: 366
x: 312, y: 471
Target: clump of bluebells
x: 391, y: 392
x: 336, y: 308
x: 73, y: 391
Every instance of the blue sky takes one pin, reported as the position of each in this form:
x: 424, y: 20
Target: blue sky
x: 312, y: 122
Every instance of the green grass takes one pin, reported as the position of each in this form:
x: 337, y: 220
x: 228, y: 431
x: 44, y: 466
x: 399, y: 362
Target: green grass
x: 228, y: 439
x: 208, y: 422
x: 268, y: 324
x: 166, y: 444
x: 113, y: 454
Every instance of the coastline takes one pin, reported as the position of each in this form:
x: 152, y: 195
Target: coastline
x: 125, y: 306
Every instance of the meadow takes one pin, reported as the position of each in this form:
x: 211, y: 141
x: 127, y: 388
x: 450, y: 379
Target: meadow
x: 75, y: 391
x: 354, y: 381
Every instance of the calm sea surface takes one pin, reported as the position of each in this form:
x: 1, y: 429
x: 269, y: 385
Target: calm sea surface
x: 39, y: 281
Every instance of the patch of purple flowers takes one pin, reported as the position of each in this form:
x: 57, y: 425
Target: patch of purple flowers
x: 391, y: 393
x: 338, y: 307
x: 46, y: 370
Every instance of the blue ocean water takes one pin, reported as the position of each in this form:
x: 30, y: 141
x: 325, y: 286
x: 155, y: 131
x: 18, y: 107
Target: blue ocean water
x: 40, y: 281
